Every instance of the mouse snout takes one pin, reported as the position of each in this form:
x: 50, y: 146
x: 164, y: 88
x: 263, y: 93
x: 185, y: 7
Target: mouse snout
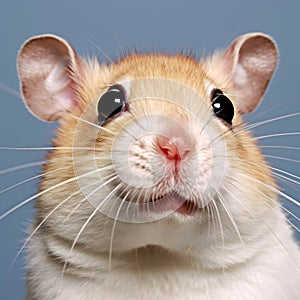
x: 174, y: 147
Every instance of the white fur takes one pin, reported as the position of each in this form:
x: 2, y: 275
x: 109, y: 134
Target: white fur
x: 261, y: 269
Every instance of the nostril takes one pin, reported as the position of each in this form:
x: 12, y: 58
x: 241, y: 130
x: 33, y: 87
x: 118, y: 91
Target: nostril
x: 168, y: 148
x: 172, y: 150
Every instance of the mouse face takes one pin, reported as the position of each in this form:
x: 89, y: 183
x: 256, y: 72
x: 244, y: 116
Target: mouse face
x: 152, y: 149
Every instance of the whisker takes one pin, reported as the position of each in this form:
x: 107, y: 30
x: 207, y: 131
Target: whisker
x: 209, y: 217
x: 119, y: 46
x: 279, y: 147
x: 47, y: 148
x: 113, y: 231
x: 293, y: 225
x: 277, y: 134
x: 244, y: 127
x: 272, y: 168
x: 133, y: 196
x: 282, y: 244
x: 53, y: 160
x: 29, y: 179
x: 284, y: 208
x: 23, y: 166
x: 275, y: 235
x: 206, y: 123
x: 251, y: 126
x: 236, y: 198
x: 220, y: 222
x: 124, y: 128
x: 43, y: 192
x: 85, y: 198
x: 104, y: 128
x: 282, y: 158
x: 10, y: 90
x: 98, y: 48
x: 231, y: 219
x: 292, y: 200
x: 285, y: 178
x: 92, y: 124
x: 135, y: 119
x: 40, y: 225
x: 290, y: 213
x: 90, y: 217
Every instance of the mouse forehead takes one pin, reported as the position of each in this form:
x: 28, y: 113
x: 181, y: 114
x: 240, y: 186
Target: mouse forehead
x: 160, y: 73
x: 154, y: 94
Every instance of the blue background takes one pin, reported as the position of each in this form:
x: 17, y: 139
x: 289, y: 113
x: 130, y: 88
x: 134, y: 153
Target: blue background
x: 169, y: 26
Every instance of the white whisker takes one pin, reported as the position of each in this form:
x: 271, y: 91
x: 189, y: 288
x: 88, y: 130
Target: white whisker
x: 290, y: 213
x: 41, y: 223
x: 293, y: 225
x: 285, y: 178
x: 90, y: 217
x: 10, y: 90
x: 43, y: 192
x: 263, y: 220
x: 23, y: 166
x: 29, y: 179
x: 282, y: 158
x: 277, y: 134
x: 284, y: 247
x: 280, y: 147
x: 85, y: 198
x: 231, y: 219
x: 251, y: 126
x: 220, y: 222
x: 292, y: 200
x: 47, y: 148
x: 264, y: 195
x: 98, y: 48
x: 92, y: 124
x: 113, y: 231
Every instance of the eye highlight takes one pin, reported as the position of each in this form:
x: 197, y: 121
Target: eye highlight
x: 222, y: 106
x: 111, y: 103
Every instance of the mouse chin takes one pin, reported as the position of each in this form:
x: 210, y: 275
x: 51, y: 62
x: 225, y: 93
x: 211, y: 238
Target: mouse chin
x: 175, y: 233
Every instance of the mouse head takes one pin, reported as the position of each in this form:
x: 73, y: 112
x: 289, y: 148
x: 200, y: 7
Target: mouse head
x: 152, y: 138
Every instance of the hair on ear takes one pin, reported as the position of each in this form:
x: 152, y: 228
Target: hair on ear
x: 46, y: 65
x: 251, y: 59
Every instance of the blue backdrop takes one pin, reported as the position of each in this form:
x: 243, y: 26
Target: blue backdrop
x: 167, y: 26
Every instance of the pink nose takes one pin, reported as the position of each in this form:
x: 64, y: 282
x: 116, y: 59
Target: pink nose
x: 174, y: 149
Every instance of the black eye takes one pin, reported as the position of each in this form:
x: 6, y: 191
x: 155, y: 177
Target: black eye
x: 222, y: 106
x: 111, y: 103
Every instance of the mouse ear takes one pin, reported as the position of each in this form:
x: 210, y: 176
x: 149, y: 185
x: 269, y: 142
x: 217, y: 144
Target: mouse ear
x: 251, y: 59
x: 46, y: 66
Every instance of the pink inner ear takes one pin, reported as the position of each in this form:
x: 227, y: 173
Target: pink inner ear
x: 58, y: 85
x: 46, y: 66
x: 243, y: 94
x: 252, y: 59
x: 50, y: 94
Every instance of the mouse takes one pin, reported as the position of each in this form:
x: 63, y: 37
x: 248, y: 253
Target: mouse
x: 155, y: 187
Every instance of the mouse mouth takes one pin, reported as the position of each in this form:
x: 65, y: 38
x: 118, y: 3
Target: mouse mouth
x: 173, y: 202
